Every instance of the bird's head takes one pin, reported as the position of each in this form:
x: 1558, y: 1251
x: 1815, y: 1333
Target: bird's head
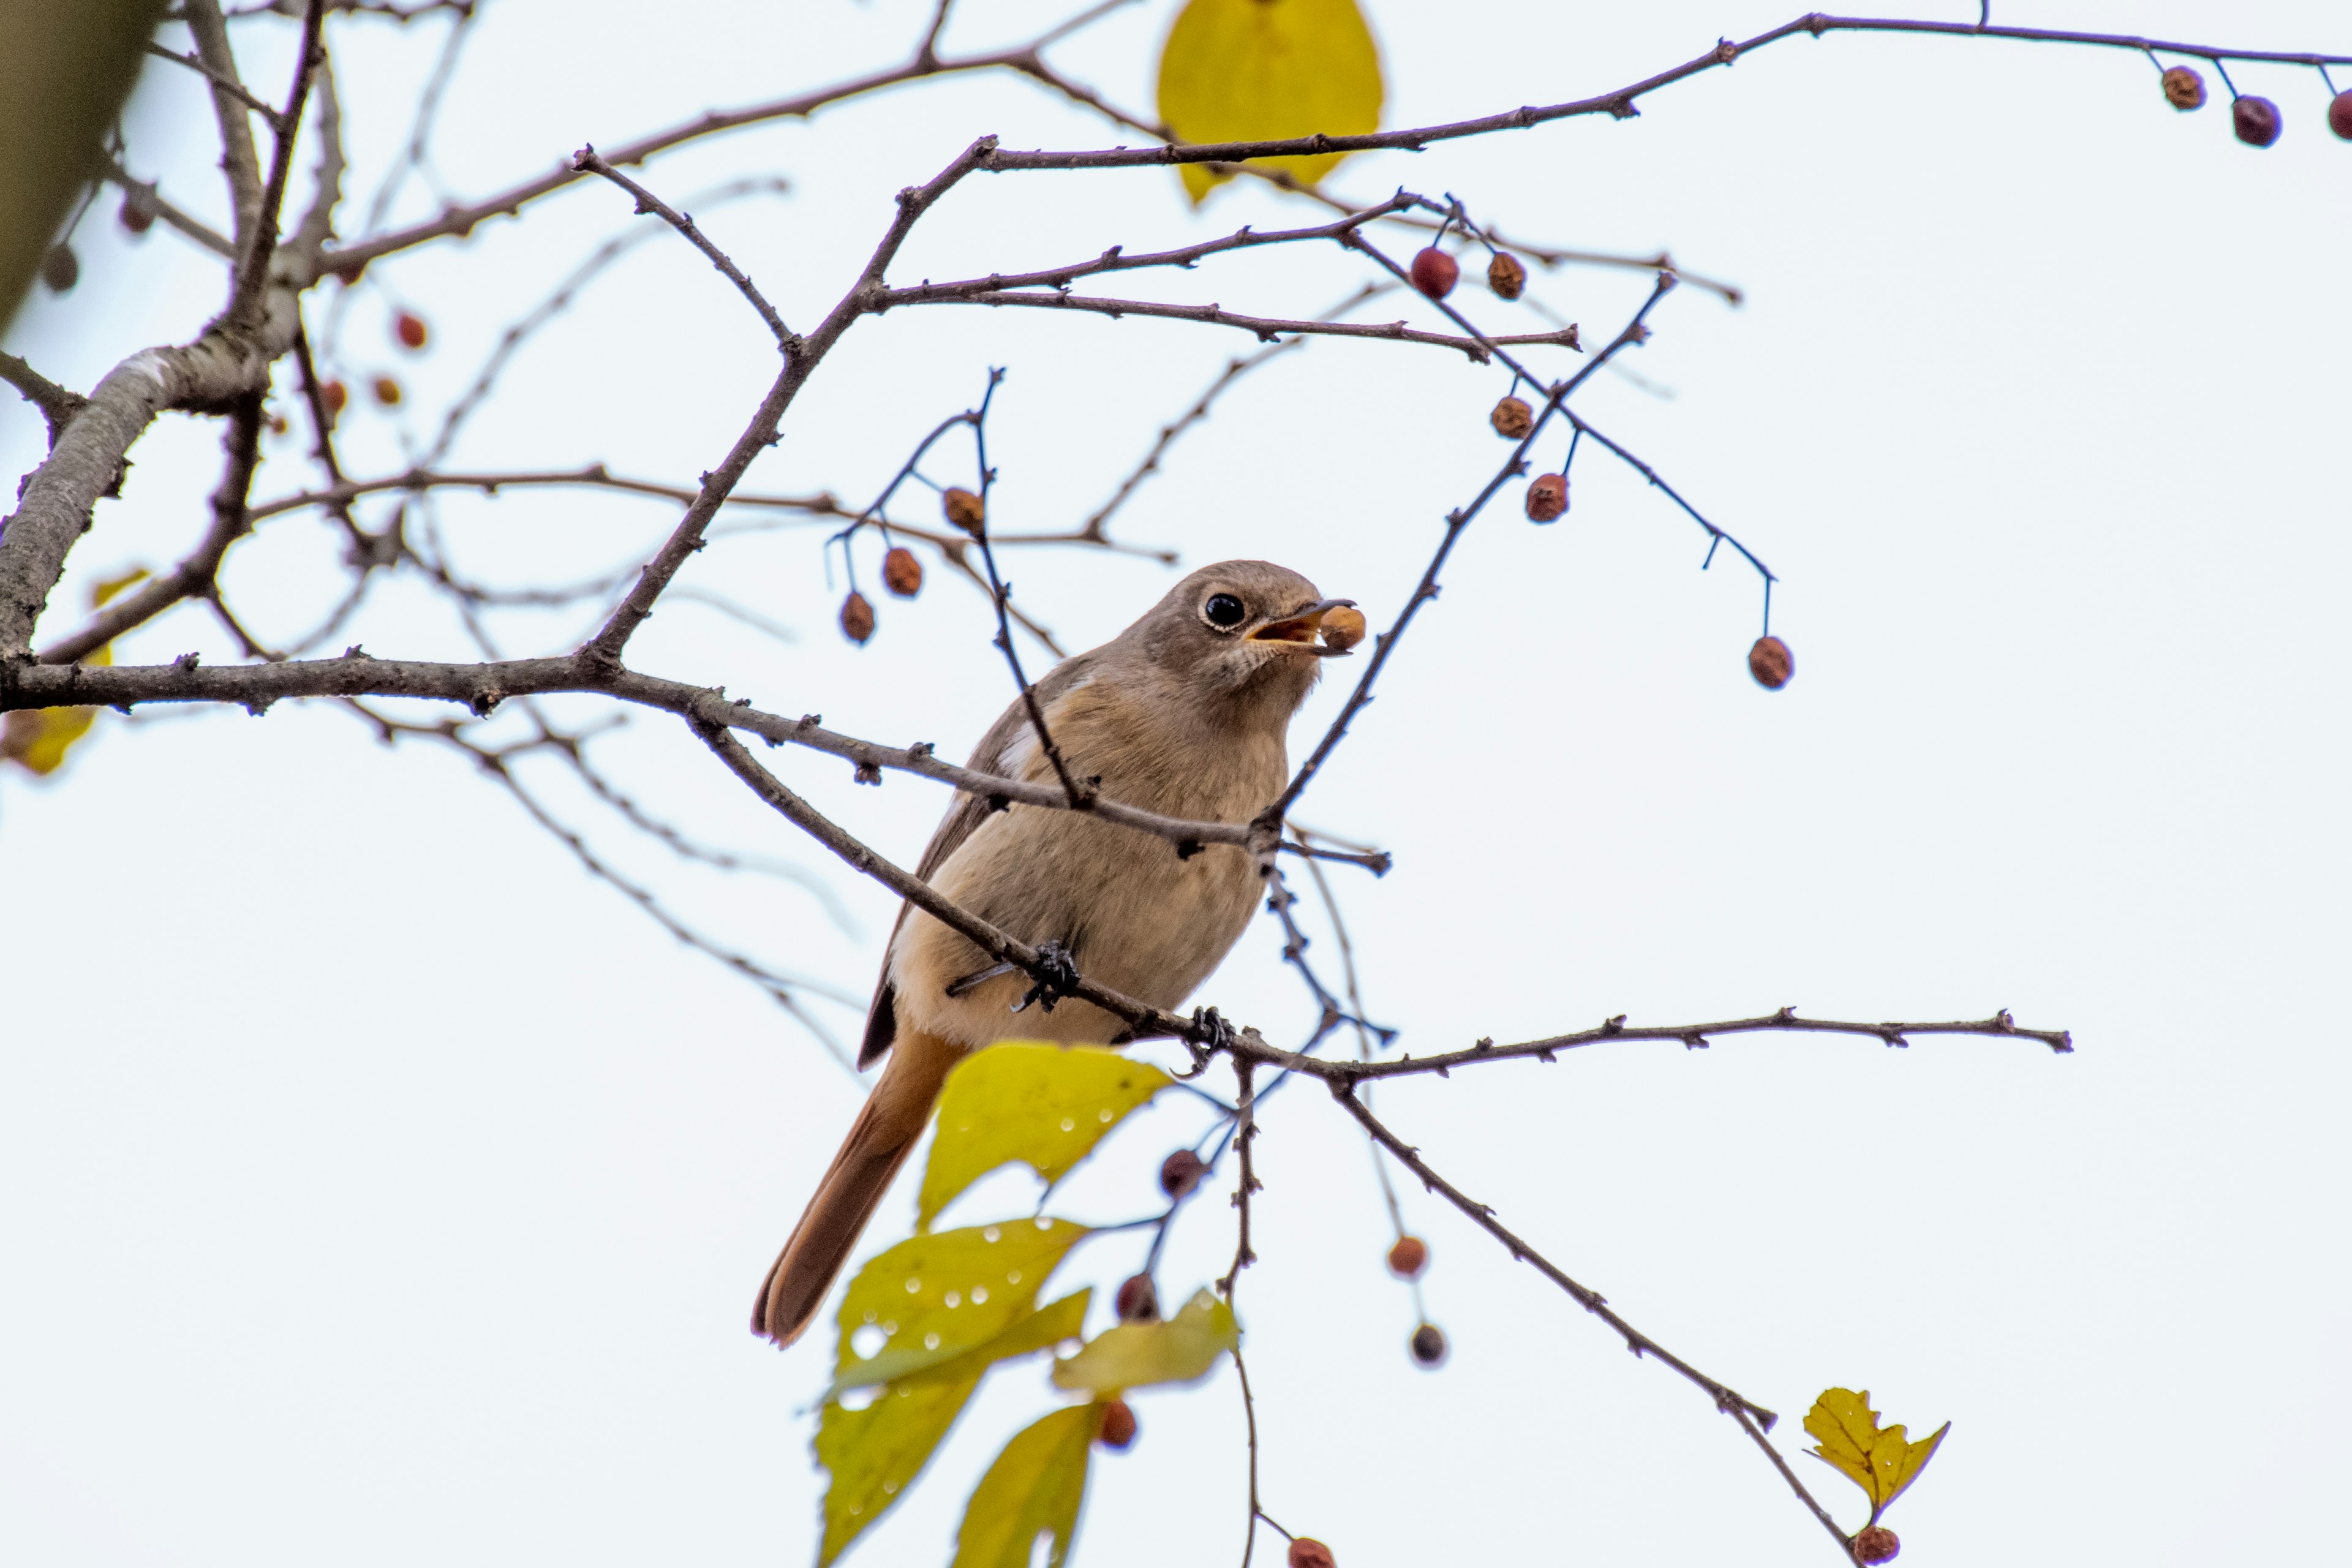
x: 1248, y: 632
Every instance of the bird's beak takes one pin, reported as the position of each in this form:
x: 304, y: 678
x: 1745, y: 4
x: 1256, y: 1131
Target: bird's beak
x: 1298, y: 630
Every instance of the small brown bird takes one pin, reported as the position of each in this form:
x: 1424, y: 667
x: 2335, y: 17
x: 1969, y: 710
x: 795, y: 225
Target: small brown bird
x: 1183, y: 713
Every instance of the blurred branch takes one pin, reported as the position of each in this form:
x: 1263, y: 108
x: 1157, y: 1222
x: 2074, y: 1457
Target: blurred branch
x: 145, y: 192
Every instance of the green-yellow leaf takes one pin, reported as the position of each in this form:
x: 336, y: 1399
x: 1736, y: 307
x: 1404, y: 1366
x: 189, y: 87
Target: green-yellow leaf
x: 932, y: 1297
x: 873, y: 1454
x: 1880, y: 1460
x: 1047, y: 1106
x: 1250, y: 70
x: 1034, y: 1488
x: 1132, y: 1354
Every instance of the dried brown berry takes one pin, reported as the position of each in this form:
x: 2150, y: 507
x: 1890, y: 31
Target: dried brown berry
x: 1429, y: 1345
x: 409, y: 329
x: 1512, y: 419
x: 856, y: 618
x: 335, y: 394
x: 1342, y: 629
x: 2257, y: 120
x: 1181, y: 1172
x: 135, y: 214
x: 902, y: 573
x: 2339, y: 114
x: 2184, y: 88
x: 1118, y: 1425
x: 1505, y: 276
x: 1434, y: 272
x: 1772, y: 663
x: 964, y: 510
x: 1138, y: 1301
x: 1408, y: 1258
x: 277, y: 425
x: 1306, y: 1552
x: 1875, y: 1543
x: 60, y: 269
x: 388, y: 391
x: 1548, y: 498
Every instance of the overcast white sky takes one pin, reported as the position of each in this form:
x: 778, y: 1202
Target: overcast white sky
x: 376, y: 1187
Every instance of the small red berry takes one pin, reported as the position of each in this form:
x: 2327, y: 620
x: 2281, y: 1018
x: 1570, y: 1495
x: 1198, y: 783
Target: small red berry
x: 1548, y: 498
x: 409, y: 327
x: 1512, y: 419
x: 856, y: 618
x: 1181, y: 1172
x: 1306, y: 1552
x: 335, y: 394
x: 1875, y: 1543
x: 1772, y: 663
x: 902, y: 573
x: 964, y: 510
x: 1137, y: 1302
x: 1429, y: 1345
x: 2339, y: 114
x: 1505, y: 276
x: 388, y: 391
x: 135, y: 214
x: 60, y: 269
x: 1117, y: 1424
x: 2257, y: 120
x: 1434, y: 272
x: 1408, y: 1258
x: 2184, y: 88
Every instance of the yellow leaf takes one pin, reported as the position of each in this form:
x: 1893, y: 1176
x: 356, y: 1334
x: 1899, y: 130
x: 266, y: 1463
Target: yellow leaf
x: 1045, y: 1105
x: 1034, y: 1488
x: 1879, y: 1460
x: 104, y: 591
x: 874, y: 1454
x: 932, y: 1297
x: 37, y: 738
x: 1133, y: 1354
x: 1250, y: 70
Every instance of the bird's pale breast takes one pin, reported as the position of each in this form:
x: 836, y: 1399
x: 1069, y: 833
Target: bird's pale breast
x: 1135, y: 916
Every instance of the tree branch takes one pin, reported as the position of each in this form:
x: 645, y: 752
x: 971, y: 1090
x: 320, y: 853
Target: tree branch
x: 585, y: 161
x: 240, y: 163
x: 1268, y: 329
x: 59, y: 404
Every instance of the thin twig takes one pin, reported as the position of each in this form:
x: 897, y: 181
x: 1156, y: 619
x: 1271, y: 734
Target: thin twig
x: 585, y: 161
x: 1724, y: 1397
x: 1266, y: 328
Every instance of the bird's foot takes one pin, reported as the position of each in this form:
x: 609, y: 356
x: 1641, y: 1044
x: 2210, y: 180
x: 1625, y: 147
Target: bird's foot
x: 1057, y: 976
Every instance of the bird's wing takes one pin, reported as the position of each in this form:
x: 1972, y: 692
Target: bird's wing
x: 996, y: 753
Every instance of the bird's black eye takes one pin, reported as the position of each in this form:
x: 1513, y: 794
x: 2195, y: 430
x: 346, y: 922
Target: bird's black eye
x: 1223, y: 610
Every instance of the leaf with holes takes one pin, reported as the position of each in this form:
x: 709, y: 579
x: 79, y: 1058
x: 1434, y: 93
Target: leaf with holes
x: 1250, y: 70
x: 1034, y: 1488
x: 1045, y: 1106
x: 1880, y: 1460
x: 873, y: 1454
x: 1133, y: 1354
x: 932, y: 1297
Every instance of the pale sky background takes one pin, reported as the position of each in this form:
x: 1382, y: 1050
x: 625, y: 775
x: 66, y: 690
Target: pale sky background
x: 377, y: 1188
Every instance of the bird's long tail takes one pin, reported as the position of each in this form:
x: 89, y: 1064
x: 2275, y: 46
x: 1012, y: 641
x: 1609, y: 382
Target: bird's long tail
x: 879, y: 1141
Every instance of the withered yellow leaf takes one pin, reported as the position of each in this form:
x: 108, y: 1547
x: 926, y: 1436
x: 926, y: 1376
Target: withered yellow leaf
x: 874, y: 1454
x: 1046, y: 1106
x: 1133, y: 1354
x: 932, y: 1297
x: 37, y: 738
x: 1880, y: 1460
x: 1034, y: 1488
x: 1248, y: 70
